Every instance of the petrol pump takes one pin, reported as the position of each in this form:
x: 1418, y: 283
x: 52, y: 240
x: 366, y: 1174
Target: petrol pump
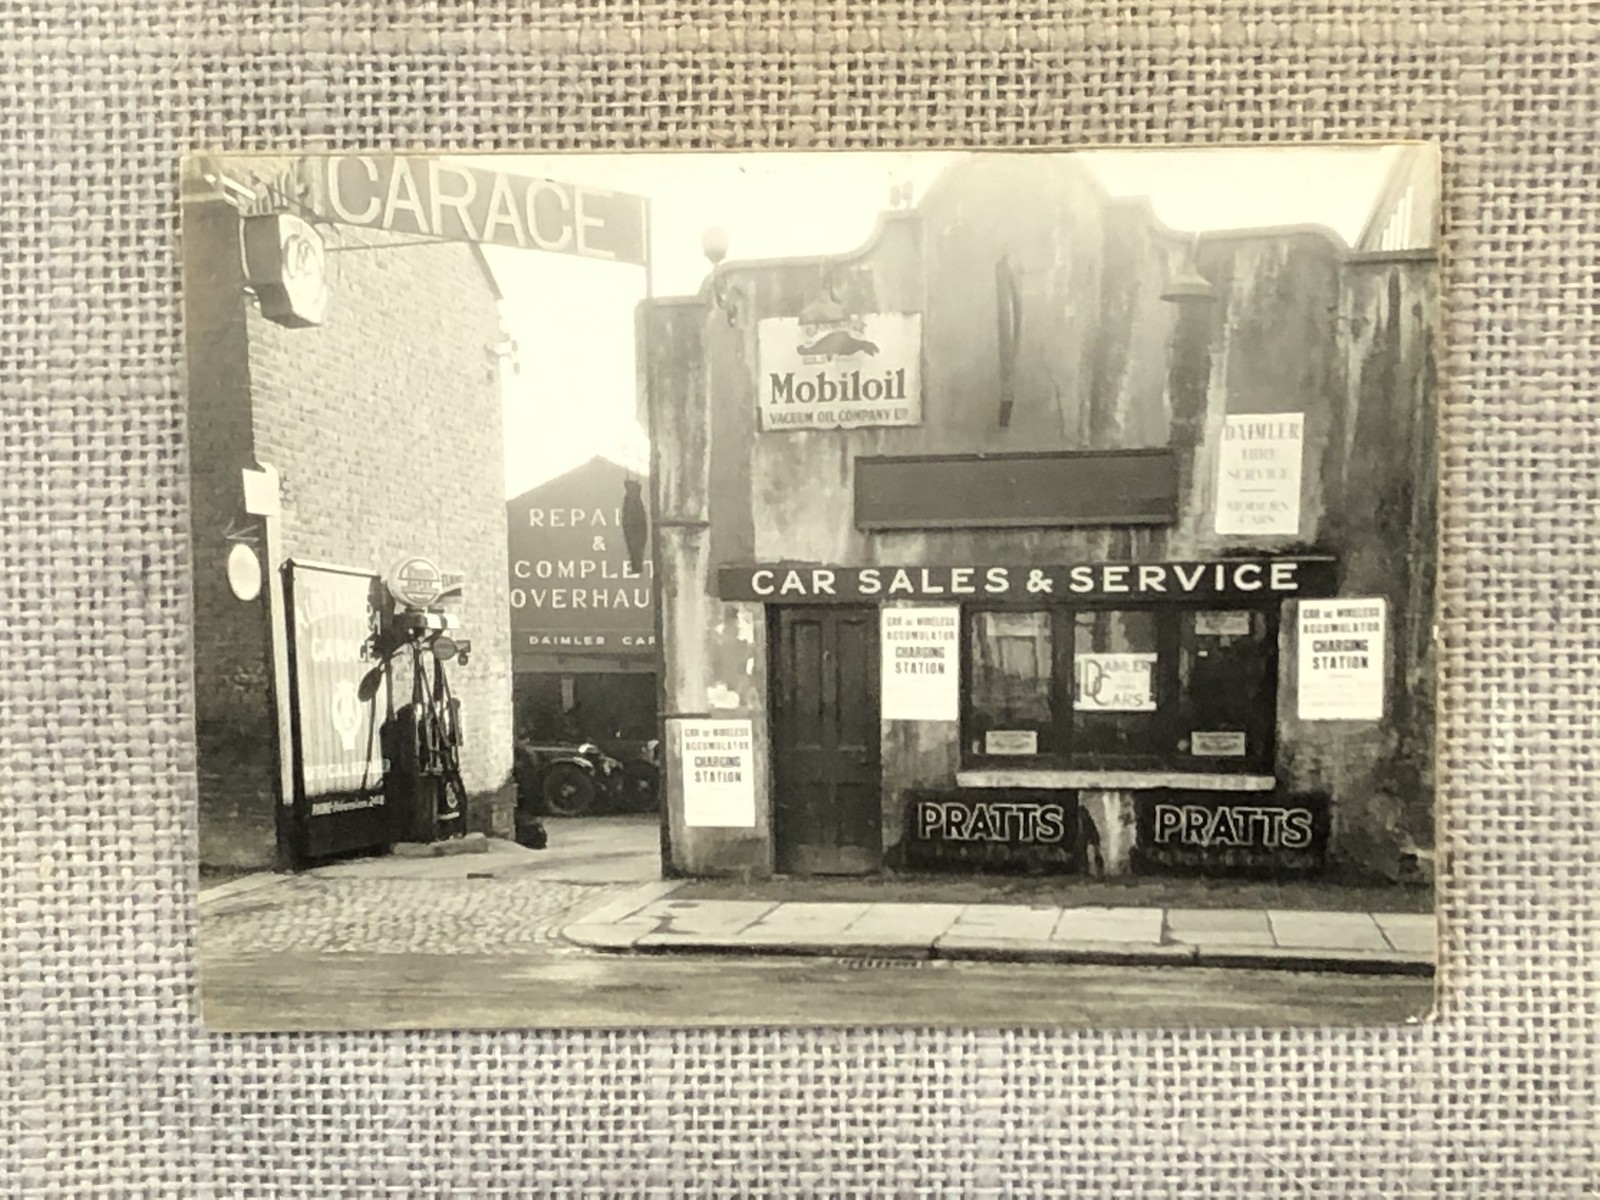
x: 422, y: 738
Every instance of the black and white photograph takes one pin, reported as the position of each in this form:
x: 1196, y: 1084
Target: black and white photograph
x: 985, y: 589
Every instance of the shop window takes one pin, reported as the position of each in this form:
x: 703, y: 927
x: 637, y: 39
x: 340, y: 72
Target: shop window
x: 1227, y: 688
x: 1115, y: 675
x: 1137, y: 688
x: 1010, y: 693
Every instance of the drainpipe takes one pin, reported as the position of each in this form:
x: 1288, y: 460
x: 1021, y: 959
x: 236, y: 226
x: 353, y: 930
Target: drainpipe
x: 1189, y: 371
x: 263, y: 499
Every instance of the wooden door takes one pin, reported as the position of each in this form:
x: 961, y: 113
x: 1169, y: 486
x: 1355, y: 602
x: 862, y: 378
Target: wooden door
x: 826, y: 774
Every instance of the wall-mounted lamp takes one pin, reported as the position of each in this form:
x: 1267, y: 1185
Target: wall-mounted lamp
x: 714, y: 245
x: 240, y: 195
x: 1188, y: 285
x: 502, y: 352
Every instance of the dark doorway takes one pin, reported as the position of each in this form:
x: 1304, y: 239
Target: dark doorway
x: 585, y: 707
x: 827, y: 809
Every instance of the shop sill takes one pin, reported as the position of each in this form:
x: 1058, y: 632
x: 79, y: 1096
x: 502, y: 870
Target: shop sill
x: 1115, y: 781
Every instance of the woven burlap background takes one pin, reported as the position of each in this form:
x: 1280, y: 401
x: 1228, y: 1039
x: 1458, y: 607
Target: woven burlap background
x: 110, y: 1086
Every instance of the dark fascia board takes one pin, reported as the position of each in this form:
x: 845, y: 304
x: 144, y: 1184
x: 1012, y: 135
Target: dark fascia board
x: 1167, y: 516
x: 1011, y: 455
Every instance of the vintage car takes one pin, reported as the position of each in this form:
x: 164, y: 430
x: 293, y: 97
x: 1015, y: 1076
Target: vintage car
x: 571, y: 780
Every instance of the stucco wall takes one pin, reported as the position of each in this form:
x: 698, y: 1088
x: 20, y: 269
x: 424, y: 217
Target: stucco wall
x: 1102, y: 362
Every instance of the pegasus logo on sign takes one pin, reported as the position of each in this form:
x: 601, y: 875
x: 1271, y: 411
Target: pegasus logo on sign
x: 838, y: 343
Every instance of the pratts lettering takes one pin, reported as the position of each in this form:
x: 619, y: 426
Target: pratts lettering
x: 1236, y: 825
x: 990, y: 821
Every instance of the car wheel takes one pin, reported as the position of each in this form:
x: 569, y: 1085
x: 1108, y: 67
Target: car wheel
x: 568, y: 790
x: 640, y: 784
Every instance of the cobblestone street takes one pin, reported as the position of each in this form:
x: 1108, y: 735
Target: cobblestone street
x: 467, y: 916
x: 502, y: 900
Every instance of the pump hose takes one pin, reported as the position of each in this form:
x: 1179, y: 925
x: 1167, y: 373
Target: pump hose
x: 449, y: 736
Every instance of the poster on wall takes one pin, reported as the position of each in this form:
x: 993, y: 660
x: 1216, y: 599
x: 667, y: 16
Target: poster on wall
x: 1258, y: 474
x: 853, y: 370
x: 1341, y: 659
x: 716, y: 764
x: 336, y: 731
x: 921, y: 663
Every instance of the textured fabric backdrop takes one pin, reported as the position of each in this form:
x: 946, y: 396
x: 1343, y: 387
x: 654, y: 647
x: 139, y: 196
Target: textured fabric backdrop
x: 110, y: 1086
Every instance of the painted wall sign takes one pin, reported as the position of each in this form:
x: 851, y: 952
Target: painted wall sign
x: 1341, y: 660
x: 1234, y: 623
x: 1114, y: 682
x: 1015, y: 830
x: 862, y: 370
x: 1245, y: 580
x: 1011, y: 741
x: 1258, y: 474
x: 431, y: 197
x: 284, y: 264
x: 1217, y: 743
x: 715, y: 762
x: 921, y: 663
x: 1213, y: 830
x: 580, y: 574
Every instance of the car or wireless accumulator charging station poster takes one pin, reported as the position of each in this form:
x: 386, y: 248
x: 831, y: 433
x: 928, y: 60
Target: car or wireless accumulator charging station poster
x: 921, y: 668
x: 715, y: 759
x: 1342, y: 659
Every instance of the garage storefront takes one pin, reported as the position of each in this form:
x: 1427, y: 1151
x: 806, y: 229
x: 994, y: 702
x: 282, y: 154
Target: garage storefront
x: 1141, y: 582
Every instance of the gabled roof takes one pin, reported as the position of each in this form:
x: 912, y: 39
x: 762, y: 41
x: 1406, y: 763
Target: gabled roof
x: 1405, y: 215
x: 587, y: 465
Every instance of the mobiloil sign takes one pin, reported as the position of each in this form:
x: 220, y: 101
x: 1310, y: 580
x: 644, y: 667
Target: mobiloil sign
x: 844, y: 370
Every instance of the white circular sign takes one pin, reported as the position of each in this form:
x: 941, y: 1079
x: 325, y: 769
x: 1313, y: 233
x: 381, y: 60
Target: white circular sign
x: 244, y: 572
x: 416, y: 582
x: 305, y: 278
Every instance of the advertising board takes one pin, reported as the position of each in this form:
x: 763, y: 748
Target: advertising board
x: 338, y: 754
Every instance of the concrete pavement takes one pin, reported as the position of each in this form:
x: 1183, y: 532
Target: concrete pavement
x: 649, y: 920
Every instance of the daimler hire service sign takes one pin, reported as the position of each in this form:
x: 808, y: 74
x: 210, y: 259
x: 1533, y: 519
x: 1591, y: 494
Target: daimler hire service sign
x: 861, y: 370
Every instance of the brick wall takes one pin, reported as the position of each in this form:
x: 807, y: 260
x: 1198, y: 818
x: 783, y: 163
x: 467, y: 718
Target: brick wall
x: 232, y: 669
x: 384, y: 423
